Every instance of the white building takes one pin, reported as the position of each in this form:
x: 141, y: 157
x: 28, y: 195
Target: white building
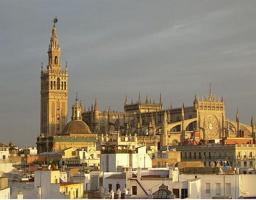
x: 32, y: 150
x: 53, y: 184
x: 46, y: 183
x: 116, y: 160
x: 4, y: 152
x: 4, y: 188
x: 225, y: 185
x: 145, y: 183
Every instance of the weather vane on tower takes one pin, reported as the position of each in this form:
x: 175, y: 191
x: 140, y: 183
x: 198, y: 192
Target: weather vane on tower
x: 55, y: 20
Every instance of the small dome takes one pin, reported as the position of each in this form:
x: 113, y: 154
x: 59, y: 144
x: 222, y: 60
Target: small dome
x: 76, y: 127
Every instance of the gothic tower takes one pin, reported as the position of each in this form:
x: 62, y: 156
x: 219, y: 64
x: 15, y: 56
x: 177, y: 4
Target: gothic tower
x: 54, y: 90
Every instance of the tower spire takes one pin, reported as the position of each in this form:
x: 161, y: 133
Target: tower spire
x: 54, y: 48
x: 210, y: 90
x: 237, y: 120
x: 96, y: 105
x: 76, y: 96
x: 125, y: 100
x: 77, y: 110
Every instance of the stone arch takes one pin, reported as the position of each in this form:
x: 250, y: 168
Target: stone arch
x: 192, y: 126
x: 176, y: 128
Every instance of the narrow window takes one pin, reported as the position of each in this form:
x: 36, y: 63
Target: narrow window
x: 228, y: 188
x: 56, y: 60
x: 117, y: 186
x: 58, y: 83
x: 134, y: 190
x: 184, y: 193
x: 207, y: 188
x: 109, y: 187
x: 217, y: 188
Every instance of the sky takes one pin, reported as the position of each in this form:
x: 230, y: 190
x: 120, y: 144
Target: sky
x: 118, y: 48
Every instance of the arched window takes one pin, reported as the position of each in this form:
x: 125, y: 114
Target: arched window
x: 65, y: 86
x: 56, y: 60
x: 61, y: 85
x: 51, y: 85
x: 54, y: 84
x: 58, y: 83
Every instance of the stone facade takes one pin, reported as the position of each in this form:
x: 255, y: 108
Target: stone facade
x: 206, y: 119
x: 236, y: 155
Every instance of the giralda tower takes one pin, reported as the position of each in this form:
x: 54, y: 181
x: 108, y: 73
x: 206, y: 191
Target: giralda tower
x: 54, y: 90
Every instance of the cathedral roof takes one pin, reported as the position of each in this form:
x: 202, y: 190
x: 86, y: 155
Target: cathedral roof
x: 76, y: 127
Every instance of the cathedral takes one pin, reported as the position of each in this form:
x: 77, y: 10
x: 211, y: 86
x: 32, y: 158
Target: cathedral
x: 204, y: 120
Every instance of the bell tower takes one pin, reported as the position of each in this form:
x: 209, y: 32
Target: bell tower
x: 54, y: 90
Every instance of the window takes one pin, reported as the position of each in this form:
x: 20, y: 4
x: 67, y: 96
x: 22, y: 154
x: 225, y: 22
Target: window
x: 228, y: 188
x: 51, y: 85
x: 134, y: 190
x: 250, y: 155
x: 76, y: 193
x: 200, y: 156
x: 109, y: 187
x: 4, y: 157
x: 58, y: 83
x: 56, y: 60
x: 245, y: 164
x: 185, y: 154
x: 210, y: 155
x: 190, y: 155
x: 239, y: 154
x: 194, y: 155
x: 207, y: 188
x: 117, y: 186
x: 176, y: 192
x: 251, y: 164
x: 217, y: 188
x: 184, y: 193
